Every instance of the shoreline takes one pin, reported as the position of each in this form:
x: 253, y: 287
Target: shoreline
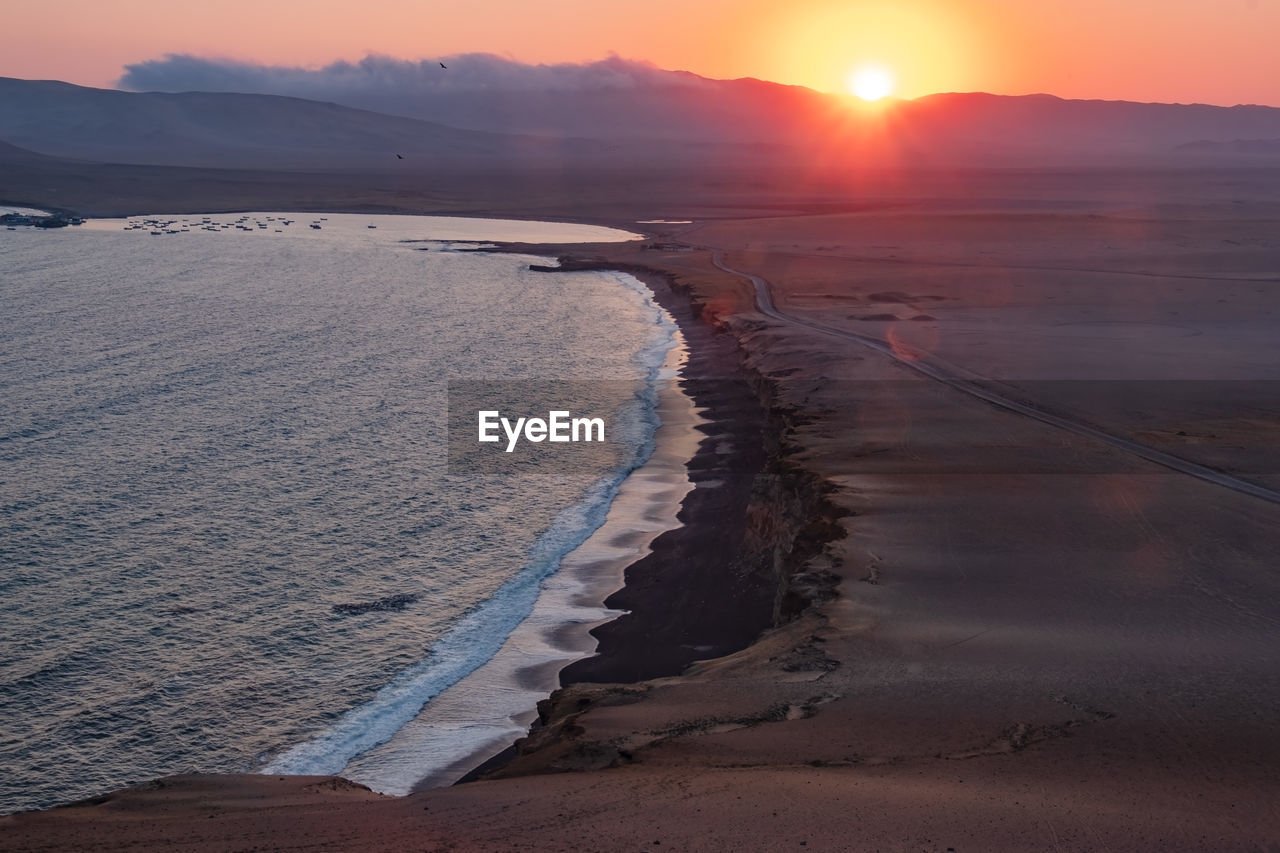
x: 669, y: 347
x: 620, y: 223
x: 655, y: 617
x: 525, y: 670
x: 728, y: 574
x: 991, y: 658
x: 718, y: 452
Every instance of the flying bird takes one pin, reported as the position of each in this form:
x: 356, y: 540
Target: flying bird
x: 442, y: 65
x: 399, y: 156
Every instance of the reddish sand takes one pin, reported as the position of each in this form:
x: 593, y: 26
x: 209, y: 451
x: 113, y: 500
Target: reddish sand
x: 1024, y: 639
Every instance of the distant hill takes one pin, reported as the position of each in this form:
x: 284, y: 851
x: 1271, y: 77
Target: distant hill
x: 1246, y: 147
x: 663, y: 120
x: 1044, y: 123
x: 958, y: 126
x: 619, y: 99
x: 225, y: 129
x: 14, y: 155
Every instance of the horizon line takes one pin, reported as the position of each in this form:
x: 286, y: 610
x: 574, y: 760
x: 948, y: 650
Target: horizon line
x: 747, y: 79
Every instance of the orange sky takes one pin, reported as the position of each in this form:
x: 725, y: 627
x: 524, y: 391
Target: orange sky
x: 1212, y: 51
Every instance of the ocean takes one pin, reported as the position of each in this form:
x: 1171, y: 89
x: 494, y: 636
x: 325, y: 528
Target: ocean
x: 231, y: 536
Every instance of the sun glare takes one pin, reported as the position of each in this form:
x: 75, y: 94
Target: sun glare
x: 871, y: 82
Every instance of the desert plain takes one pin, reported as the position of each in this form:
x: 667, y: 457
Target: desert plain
x: 988, y: 630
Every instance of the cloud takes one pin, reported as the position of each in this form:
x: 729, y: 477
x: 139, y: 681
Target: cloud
x: 378, y: 76
x: 611, y: 98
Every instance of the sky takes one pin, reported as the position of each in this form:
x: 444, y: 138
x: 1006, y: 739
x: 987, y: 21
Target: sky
x: 1176, y: 51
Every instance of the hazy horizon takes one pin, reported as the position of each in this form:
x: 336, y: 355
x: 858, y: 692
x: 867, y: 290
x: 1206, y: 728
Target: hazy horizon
x: 145, y: 70
x: 1139, y: 51
x: 176, y: 73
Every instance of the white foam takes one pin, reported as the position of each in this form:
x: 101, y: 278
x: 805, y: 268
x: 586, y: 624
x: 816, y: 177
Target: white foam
x: 511, y: 633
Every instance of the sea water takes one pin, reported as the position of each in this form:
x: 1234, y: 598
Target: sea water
x: 230, y: 537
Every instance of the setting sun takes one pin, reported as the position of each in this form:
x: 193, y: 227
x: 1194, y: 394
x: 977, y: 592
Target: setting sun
x: 871, y: 82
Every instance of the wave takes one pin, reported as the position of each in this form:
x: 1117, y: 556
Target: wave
x: 481, y: 632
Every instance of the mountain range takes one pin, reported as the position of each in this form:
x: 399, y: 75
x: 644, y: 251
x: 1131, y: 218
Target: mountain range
x: 668, y: 120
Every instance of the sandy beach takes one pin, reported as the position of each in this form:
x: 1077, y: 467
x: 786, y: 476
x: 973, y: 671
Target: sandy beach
x: 897, y: 616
